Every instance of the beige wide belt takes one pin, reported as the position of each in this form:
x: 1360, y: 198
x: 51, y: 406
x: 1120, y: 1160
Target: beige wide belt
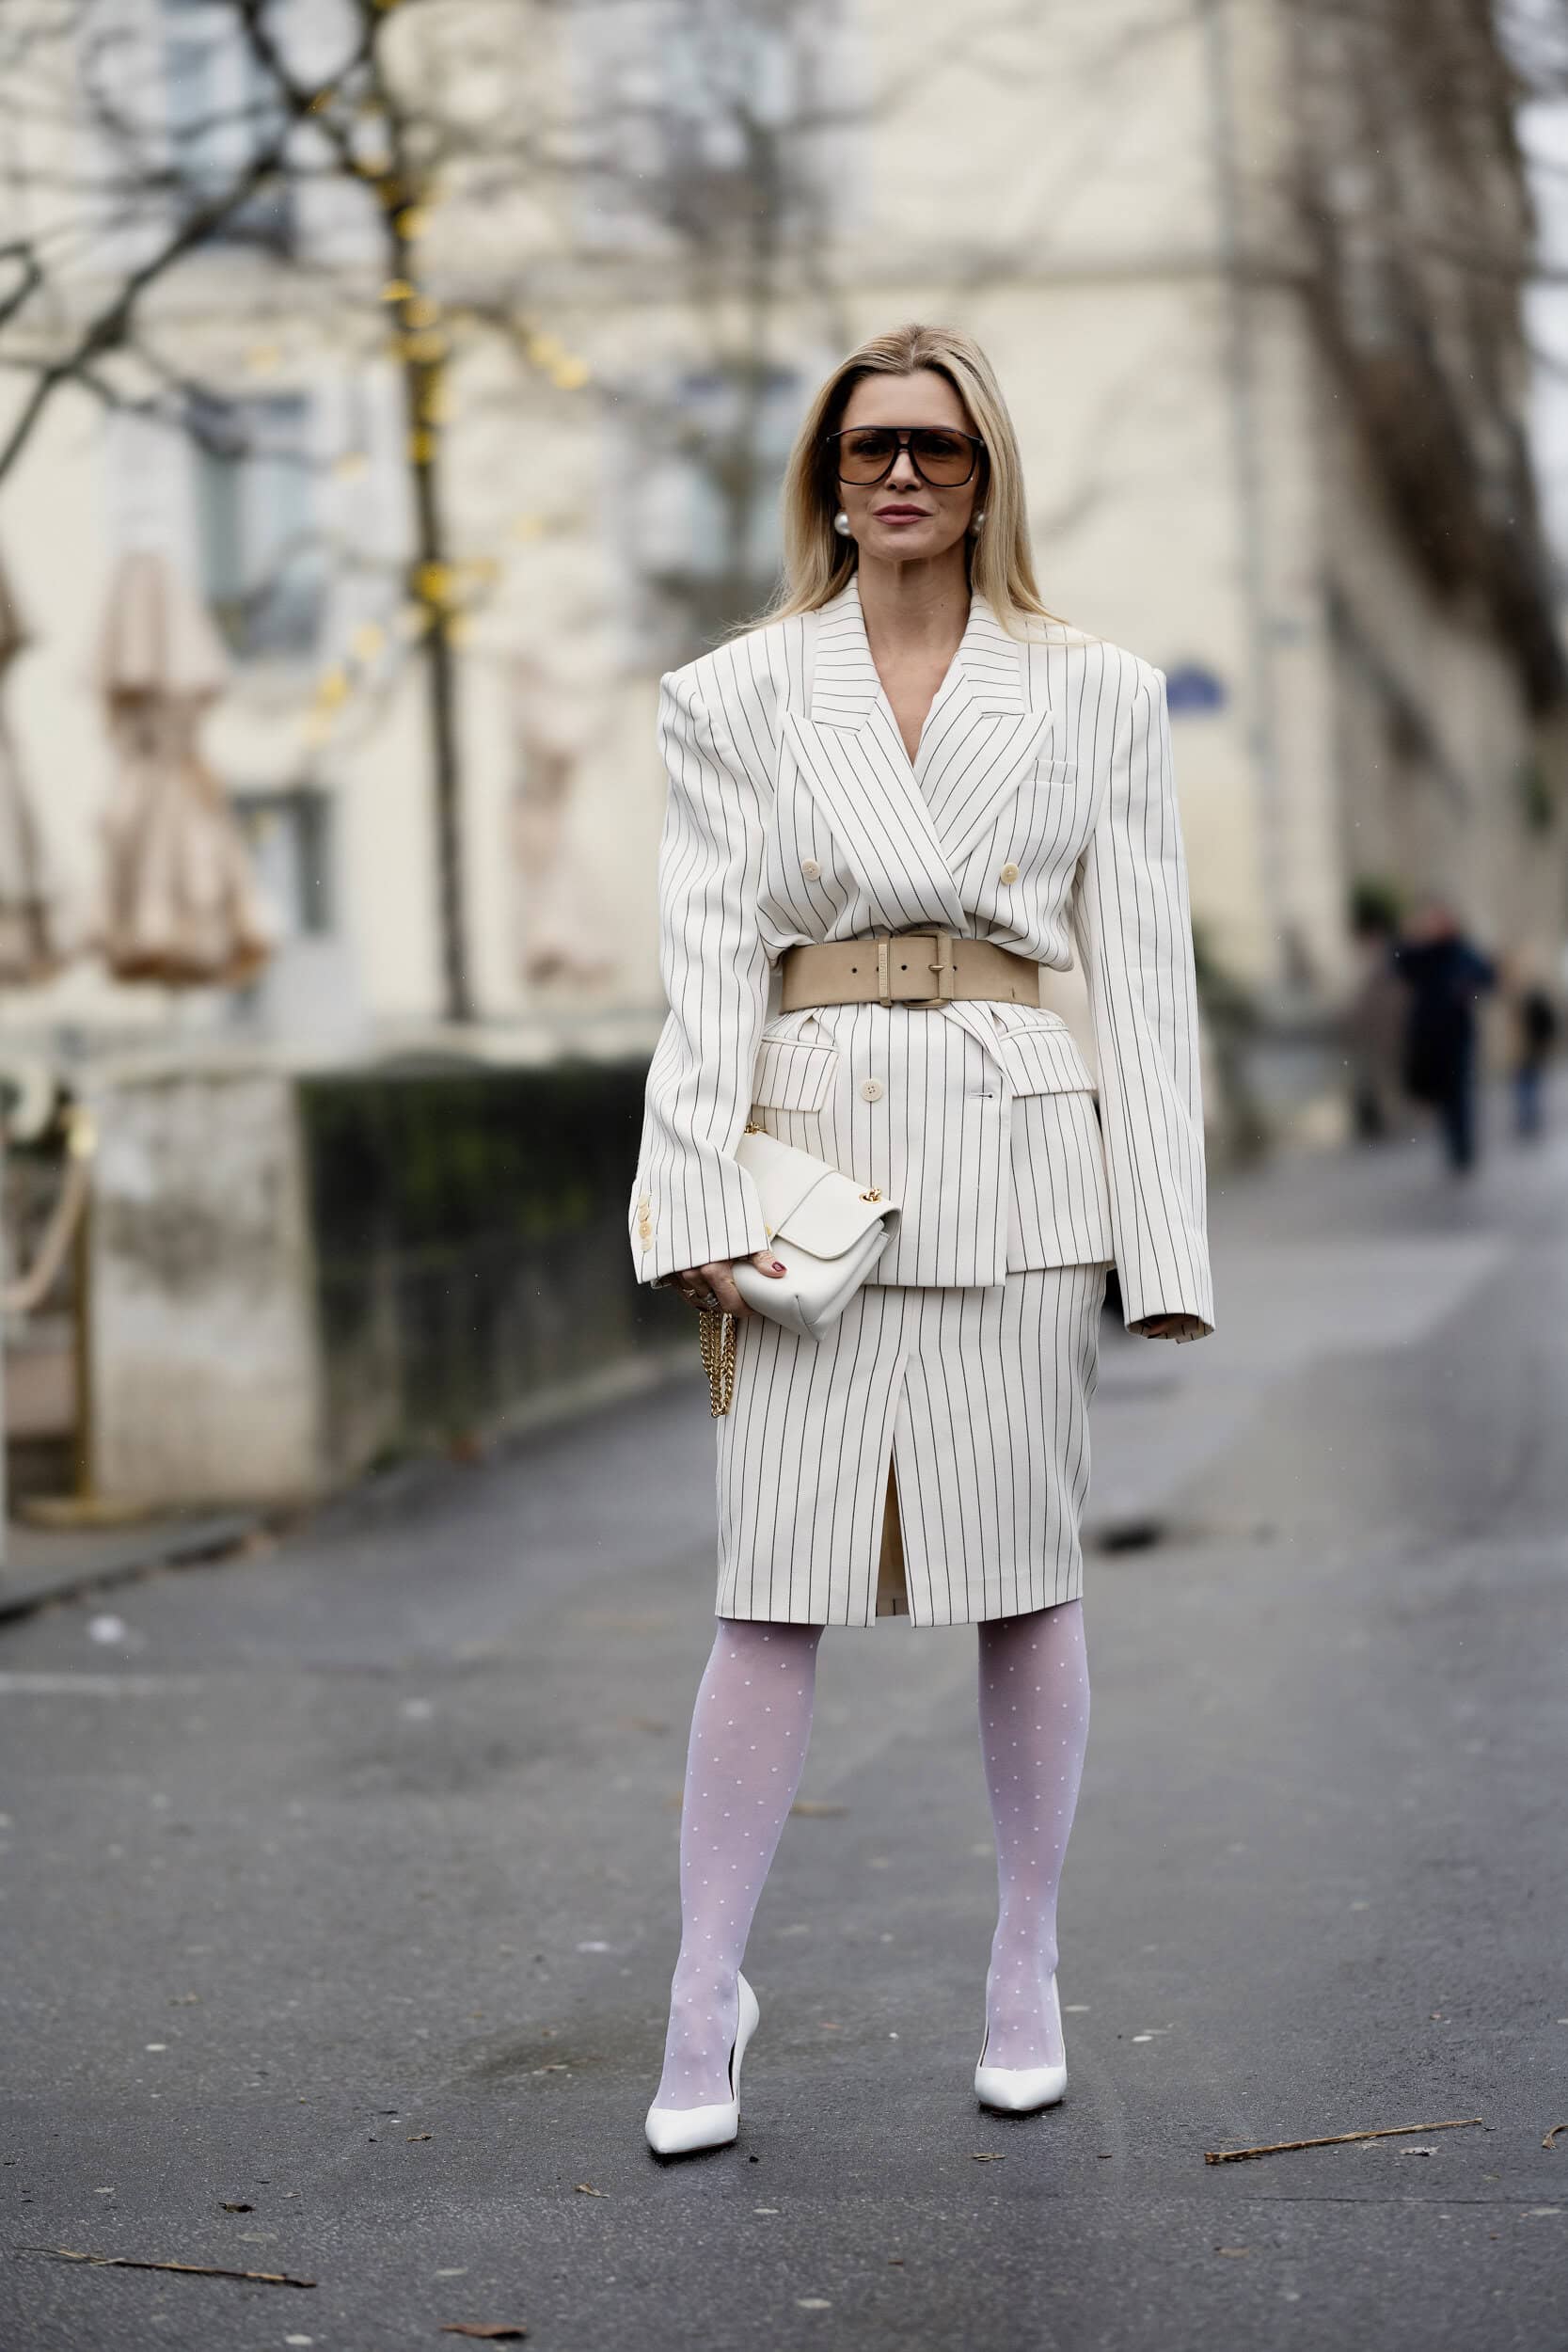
x: 921, y: 969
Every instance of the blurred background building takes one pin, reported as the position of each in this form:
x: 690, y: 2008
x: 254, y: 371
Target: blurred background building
x: 394, y: 387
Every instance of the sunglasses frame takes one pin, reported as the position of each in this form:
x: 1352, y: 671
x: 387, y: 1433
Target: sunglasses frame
x: 904, y: 435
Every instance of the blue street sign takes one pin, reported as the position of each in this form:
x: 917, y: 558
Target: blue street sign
x: 1190, y: 686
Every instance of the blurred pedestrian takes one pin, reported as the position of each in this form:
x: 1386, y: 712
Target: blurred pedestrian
x: 1445, y: 973
x: 1535, y: 1030
x: 1375, y: 1022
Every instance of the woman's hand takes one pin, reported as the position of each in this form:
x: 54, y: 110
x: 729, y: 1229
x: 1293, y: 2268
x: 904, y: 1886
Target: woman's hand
x: 1170, y: 1327
x: 713, y: 1285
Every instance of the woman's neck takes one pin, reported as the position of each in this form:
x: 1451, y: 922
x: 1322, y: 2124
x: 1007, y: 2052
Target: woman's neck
x: 915, y: 608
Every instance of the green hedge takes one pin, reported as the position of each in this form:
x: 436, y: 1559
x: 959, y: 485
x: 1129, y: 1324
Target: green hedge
x: 470, y: 1243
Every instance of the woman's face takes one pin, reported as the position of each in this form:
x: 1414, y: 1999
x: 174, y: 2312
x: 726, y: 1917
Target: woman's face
x: 902, y: 519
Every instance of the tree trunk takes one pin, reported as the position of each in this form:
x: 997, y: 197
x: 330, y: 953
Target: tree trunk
x: 430, y: 585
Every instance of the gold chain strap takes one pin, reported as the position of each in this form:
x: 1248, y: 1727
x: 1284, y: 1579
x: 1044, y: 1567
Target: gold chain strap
x: 716, y: 1339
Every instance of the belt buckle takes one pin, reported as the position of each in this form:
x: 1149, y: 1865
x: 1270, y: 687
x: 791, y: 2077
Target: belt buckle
x: 942, y: 964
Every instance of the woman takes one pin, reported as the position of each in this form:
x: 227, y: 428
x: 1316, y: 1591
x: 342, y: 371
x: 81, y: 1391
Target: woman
x: 911, y: 747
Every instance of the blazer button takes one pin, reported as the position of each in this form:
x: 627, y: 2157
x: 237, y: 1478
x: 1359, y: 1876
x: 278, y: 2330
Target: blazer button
x: 871, y: 1089
x: 1009, y: 872
x: 810, y: 868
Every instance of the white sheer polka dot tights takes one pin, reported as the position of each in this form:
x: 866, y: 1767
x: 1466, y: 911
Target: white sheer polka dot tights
x: 1033, y: 1728
x: 750, y: 1731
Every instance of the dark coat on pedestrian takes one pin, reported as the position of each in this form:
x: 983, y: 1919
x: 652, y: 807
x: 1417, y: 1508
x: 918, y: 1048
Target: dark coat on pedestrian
x: 1445, y: 977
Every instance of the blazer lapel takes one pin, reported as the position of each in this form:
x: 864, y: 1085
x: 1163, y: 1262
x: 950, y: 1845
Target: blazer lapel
x: 981, y: 737
x: 907, y: 828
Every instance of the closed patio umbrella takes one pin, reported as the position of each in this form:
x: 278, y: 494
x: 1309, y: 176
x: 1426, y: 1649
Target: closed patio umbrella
x: 179, y: 898
x: 29, y: 951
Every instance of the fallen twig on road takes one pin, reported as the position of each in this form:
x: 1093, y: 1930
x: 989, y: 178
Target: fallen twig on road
x: 196, y: 2270
x: 1553, y: 2133
x: 1333, y: 2139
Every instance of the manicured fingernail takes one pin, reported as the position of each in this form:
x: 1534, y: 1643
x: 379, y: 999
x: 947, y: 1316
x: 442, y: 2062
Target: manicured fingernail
x: 779, y: 1266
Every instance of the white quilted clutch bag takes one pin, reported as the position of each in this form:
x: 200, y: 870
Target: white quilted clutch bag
x: 821, y: 1226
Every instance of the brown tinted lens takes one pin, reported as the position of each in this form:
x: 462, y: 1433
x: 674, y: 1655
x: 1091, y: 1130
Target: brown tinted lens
x: 942, y: 456
x: 862, y: 456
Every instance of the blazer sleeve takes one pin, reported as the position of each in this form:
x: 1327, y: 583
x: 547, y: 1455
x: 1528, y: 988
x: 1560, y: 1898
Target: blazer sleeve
x: 692, y: 1202
x: 1132, y: 923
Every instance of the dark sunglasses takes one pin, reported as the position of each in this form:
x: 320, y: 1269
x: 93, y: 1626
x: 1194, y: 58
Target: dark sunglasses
x: 865, y: 453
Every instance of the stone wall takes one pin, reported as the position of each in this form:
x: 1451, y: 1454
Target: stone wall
x: 206, y: 1378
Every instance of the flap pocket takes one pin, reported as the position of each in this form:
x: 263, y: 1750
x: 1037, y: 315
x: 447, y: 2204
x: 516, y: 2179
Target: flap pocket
x: 805, y: 1201
x: 793, y: 1078
x: 1044, y: 1061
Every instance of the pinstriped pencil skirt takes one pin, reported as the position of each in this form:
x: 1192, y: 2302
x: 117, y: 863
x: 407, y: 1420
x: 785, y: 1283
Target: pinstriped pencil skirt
x: 928, y: 1458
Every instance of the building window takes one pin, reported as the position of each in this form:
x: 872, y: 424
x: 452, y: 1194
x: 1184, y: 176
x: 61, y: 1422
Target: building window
x: 706, y: 120
x: 290, y: 832
x: 222, y: 108
x: 261, y: 554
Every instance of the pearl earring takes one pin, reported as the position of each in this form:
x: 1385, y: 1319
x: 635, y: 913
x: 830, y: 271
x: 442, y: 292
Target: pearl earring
x: 841, y: 524
x: 975, y: 520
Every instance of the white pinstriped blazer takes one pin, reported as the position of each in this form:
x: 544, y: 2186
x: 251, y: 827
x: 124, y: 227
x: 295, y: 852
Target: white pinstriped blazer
x: 1039, y: 812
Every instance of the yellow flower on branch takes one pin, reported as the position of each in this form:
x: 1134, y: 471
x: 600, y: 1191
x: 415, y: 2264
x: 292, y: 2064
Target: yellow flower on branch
x: 411, y: 223
x: 435, y: 583
x: 421, y: 448
x: 396, y: 289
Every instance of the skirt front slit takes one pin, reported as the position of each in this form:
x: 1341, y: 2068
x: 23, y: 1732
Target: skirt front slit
x: 928, y: 1458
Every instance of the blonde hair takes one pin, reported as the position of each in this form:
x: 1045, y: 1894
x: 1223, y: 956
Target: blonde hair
x: 817, y: 562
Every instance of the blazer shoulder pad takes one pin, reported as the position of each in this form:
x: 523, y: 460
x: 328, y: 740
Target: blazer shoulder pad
x: 1082, y: 644
x: 748, y: 665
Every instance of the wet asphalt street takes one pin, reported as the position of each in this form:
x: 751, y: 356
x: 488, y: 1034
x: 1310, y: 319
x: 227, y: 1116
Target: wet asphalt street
x: 339, y: 1893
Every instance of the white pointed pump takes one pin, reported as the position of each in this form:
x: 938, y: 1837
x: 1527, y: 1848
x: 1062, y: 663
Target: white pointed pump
x: 1019, y: 2090
x: 680, y: 2131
